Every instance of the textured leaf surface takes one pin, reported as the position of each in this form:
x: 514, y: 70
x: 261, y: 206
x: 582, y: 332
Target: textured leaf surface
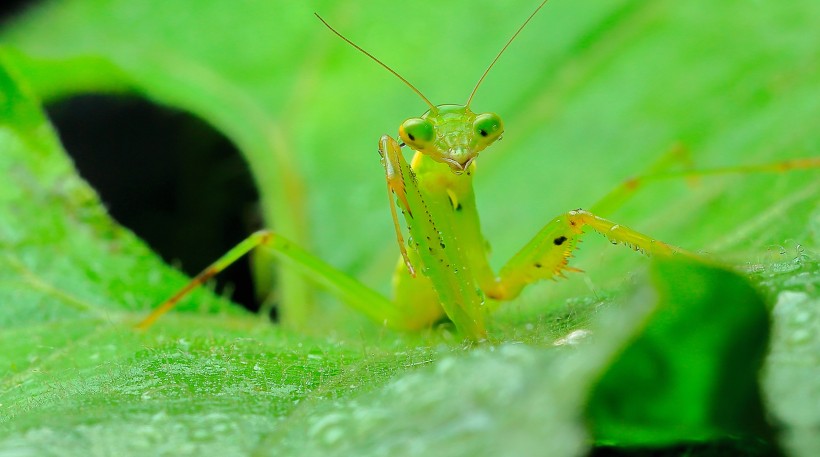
x: 591, y: 93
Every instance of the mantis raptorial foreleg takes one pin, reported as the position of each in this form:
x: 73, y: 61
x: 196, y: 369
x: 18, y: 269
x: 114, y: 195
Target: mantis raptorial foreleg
x: 435, y: 252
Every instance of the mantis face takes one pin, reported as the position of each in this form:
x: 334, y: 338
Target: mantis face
x: 452, y: 134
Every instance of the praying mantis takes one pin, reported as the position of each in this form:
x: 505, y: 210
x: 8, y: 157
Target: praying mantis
x: 443, y: 270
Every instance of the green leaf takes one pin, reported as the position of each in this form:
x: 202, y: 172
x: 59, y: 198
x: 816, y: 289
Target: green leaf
x: 792, y: 371
x: 591, y: 93
x: 691, y: 373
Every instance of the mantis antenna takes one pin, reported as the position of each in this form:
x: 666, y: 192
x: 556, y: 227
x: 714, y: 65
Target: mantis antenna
x: 432, y: 106
x: 480, y: 80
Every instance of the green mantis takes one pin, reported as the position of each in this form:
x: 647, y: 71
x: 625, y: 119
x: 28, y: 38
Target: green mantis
x: 443, y: 271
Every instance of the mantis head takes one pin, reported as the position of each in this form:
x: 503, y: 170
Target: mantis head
x: 452, y: 134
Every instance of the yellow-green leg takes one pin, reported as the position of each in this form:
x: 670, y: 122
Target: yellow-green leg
x: 547, y: 254
x: 659, y: 172
x: 349, y: 290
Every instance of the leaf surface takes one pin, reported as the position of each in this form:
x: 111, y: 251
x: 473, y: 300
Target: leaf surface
x: 591, y: 94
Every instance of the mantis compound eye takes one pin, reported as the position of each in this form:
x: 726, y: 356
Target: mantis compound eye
x: 488, y: 127
x: 418, y: 133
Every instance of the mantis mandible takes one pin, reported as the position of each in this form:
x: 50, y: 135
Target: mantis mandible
x: 443, y: 270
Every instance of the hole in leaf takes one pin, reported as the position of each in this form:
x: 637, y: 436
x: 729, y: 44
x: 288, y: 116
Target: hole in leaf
x: 12, y: 8
x: 172, y: 179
